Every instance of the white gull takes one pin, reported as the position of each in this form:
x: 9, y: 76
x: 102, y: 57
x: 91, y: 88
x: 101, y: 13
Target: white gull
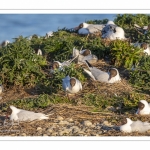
x: 71, y: 85
x: 108, y: 77
x: 134, y: 126
x: 24, y: 115
x: 85, y: 28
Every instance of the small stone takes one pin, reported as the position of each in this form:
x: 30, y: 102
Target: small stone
x: 106, y: 123
x: 87, y: 123
x: 39, y: 128
x: 69, y: 119
x: 45, y: 135
x: 50, y: 130
x: 63, y: 122
x: 59, y: 118
x: 111, y: 108
x: 23, y: 134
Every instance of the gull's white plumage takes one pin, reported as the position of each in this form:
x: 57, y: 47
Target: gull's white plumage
x: 118, y: 34
x: 67, y: 87
x: 145, y: 110
x: 24, y: 115
x: 135, y: 126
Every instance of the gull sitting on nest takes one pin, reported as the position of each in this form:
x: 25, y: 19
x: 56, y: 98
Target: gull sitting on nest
x: 110, y: 26
x: 58, y: 65
x: 83, y: 55
x: 107, y: 77
x: 71, y: 85
x: 134, y: 126
x: 143, y: 108
x: 85, y: 28
x: 116, y: 33
x: 24, y: 115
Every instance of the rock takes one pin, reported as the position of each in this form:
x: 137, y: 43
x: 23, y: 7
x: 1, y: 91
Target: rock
x: 23, y: 134
x: 59, y: 118
x: 87, y: 123
x: 39, y: 128
x: 50, y: 130
x: 45, y: 135
x: 107, y: 123
x: 75, y: 129
x: 111, y: 108
x: 63, y: 122
x: 69, y: 119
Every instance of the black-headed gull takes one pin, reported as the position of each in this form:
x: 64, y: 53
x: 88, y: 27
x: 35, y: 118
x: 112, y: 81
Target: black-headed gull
x: 5, y: 43
x: 71, y: 85
x: 58, y: 65
x: 143, y: 108
x: 116, y: 33
x: 134, y: 126
x: 24, y: 115
x: 83, y: 55
x: 85, y: 28
x: 144, y: 46
x: 110, y: 26
x: 108, y: 77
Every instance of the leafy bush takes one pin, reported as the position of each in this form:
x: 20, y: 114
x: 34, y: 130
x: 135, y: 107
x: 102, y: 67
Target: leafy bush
x: 140, y: 77
x: 19, y: 65
x: 123, y: 54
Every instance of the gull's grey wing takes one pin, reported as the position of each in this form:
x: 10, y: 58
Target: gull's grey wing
x: 28, y: 115
x: 140, y: 126
x: 95, y: 28
x: 100, y: 75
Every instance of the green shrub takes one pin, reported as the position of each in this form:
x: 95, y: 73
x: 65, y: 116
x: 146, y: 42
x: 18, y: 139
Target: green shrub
x: 140, y: 77
x: 123, y: 54
x: 20, y: 65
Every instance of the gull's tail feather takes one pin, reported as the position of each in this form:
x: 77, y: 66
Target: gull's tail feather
x: 88, y: 64
x: 89, y: 73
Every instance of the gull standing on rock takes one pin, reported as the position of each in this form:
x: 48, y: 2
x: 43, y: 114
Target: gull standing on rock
x: 85, y: 28
x: 24, y: 115
x: 108, y: 77
x: 143, y: 108
x: 134, y: 126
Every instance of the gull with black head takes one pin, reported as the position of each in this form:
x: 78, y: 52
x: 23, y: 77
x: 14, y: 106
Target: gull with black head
x: 111, y: 76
